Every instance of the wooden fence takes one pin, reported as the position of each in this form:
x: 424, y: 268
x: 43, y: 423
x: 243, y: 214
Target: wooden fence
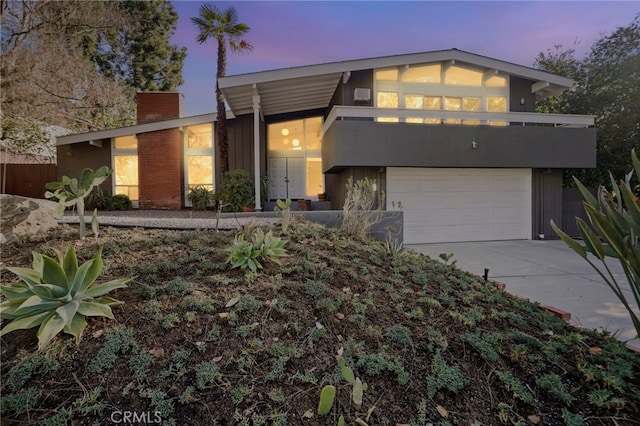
x: 27, y: 180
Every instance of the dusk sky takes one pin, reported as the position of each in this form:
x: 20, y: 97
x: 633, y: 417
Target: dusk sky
x: 295, y: 33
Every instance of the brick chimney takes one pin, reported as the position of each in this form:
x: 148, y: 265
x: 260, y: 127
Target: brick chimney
x: 156, y: 106
x: 160, y: 169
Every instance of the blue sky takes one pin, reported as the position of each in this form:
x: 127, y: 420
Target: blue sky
x: 294, y: 33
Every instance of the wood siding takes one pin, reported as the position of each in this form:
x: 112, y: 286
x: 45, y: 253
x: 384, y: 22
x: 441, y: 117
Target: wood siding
x: 518, y: 89
x: 74, y: 158
x: 241, y: 147
x: 336, y: 183
x: 573, y: 208
x: 547, y: 203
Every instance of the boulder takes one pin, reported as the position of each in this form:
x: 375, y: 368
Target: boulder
x: 24, y: 217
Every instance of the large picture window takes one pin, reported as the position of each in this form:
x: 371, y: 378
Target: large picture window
x: 199, y: 154
x: 295, y: 159
x: 440, y: 86
x: 125, y: 167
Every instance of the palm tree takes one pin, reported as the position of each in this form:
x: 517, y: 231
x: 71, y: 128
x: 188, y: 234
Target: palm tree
x: 223, y: 26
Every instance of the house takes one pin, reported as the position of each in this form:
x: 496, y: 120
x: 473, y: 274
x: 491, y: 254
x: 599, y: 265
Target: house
x: 451, y: 138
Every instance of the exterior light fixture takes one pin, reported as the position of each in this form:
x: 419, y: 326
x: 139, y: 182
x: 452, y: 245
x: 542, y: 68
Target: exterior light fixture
x: 474, y: 144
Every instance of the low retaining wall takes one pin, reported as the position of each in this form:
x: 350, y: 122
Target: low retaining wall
x: 390, y: 226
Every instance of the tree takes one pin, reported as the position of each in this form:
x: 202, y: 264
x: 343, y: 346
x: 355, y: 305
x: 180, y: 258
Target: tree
x: 607, y: 85
x: 140, y: 53
x: 77, y: 64
x: 223, y: 26
x: 44, y: 75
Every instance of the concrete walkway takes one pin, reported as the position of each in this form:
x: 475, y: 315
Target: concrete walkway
x: 550, y: 273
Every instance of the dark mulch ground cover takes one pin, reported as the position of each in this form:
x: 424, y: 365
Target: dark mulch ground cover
x: 199, y: 343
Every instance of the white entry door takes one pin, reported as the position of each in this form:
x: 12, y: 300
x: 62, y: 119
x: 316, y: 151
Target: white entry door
x: 286, y: 178
x: 447, y: 205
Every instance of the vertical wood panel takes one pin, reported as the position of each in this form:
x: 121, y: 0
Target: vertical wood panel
x: 573, y: 208
x: 336, y: 183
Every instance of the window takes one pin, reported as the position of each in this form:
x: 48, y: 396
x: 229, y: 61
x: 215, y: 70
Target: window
x: 295, y: 158
x: 387, y: 75
x: 126, y: 142
x: 462, y: 76
x: 496, y: 81
x: 125, y: 167
x: 452, y: 104
x: 315, y: 179
x: 387, y: 100
x: 200, y: 136
x: 497, y: 105
x: 287, y: 136
x: 471, y: 104
x: 198, y: 157
x: 422, y: 74
x: 438, y: 87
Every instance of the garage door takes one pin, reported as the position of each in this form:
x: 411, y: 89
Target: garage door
x: 447, y: 205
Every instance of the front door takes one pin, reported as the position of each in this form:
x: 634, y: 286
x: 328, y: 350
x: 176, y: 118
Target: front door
x: 286, y: 178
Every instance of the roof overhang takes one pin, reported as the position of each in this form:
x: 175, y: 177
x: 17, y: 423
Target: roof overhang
x: 312, y: 87
x: 137, y: 129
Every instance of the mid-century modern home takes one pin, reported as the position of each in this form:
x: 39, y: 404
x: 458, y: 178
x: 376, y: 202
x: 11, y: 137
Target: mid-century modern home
x: 451, y: 138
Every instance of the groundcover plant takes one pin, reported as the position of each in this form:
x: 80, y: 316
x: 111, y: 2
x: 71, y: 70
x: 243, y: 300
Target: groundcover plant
x: 338, y: 331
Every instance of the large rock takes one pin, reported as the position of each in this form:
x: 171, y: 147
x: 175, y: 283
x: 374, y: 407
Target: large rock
x: 24, y: 217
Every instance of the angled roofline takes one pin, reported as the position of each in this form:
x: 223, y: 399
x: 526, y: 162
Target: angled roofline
x: 390, y: 61
x: 136, y: 129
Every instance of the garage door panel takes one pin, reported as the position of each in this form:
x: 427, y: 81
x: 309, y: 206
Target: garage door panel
x: 443, y: 205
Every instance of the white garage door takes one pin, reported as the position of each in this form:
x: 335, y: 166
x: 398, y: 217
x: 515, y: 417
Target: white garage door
x: 447, y: 205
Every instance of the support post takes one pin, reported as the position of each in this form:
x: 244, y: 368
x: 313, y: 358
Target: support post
x: 256, y: 150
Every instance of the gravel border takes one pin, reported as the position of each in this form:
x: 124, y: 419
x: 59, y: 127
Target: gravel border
x: 170, y: 222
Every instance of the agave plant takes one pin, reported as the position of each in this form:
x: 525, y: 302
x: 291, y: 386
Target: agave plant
x: 57, y: 296
x: 612, y: 230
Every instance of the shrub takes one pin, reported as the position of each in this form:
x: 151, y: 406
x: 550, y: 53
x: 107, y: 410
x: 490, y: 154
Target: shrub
x: 200, y: 197
x: 57, y: 296
x: 237, y: 191
x: 99, y: 199
x: 612, y: 230
x: 362, y: 208
x: 120, y: 202
x: 102, y: 200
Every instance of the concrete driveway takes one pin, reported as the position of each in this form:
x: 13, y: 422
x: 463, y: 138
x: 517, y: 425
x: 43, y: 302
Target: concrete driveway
x: 548, y: 272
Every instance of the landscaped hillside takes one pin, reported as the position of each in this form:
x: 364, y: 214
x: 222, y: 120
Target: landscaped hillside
x: 199, y: 343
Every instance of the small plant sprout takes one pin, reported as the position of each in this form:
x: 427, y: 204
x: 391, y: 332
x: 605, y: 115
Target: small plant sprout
x: 283, y: 210
x: 358, y: 387
x: 327, y: 396
x: 95, y: 226
x: 69, y: 192
x: 446, y: 257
